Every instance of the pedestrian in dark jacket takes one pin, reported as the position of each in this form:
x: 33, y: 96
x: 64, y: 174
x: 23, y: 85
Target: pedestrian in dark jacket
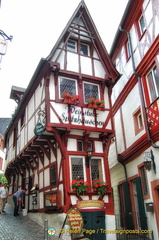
x: 17, y: 198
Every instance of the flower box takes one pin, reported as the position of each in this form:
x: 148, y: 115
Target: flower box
x: 99, y: 186
x: 79, y: 186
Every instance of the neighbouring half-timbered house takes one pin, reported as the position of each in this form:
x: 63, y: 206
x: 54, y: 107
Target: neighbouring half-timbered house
x: 135, y: 100
x: 59, y: 137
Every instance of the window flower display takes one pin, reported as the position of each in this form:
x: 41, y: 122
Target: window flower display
x: 80, y: 186
x: 99, y: 186
x: 95, y: 103
x: 70, y: 98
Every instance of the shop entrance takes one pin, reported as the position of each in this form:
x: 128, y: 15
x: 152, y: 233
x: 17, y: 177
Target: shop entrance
x: 95, y: 222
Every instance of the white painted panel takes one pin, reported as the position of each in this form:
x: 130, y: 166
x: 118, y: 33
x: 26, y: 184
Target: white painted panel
x: 41, y: 200
x: 72, y: 62
x: 39, y: 94
x: 52, y: 87
x: 30, y: 107
x: 128, y: 121
x: 61, y: 111
x: 118, y: 133
x: 22, y: 138
x: 31, y: 126
x: 46, y: 177
x: 101, y: 117
x: 99, y: 70
x: 41, y: 180
x: 72, y: 144
x: 98, y: 147
x: 86, y: 65
x: 95, y: 55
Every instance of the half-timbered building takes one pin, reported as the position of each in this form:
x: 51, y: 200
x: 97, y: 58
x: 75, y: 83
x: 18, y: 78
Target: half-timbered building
x: 62, y: 129
x: 135, y: 53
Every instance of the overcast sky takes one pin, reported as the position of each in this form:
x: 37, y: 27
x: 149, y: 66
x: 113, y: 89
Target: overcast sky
x: 36, y: 26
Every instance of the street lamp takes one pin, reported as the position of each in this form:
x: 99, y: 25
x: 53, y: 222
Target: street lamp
x: 89, y: 155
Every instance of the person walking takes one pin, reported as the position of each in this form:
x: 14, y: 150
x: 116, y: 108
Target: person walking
x: 3, y: 196
x: 18, y: 198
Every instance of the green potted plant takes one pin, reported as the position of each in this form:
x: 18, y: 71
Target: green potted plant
x: 80, y: 186
x: 99, y: 186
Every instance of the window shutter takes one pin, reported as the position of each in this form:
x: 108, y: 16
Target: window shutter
x: 127, y: 204
x: 143, y: 218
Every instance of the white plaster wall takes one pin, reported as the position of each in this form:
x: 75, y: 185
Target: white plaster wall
x: 98, y: 147
x: 112, y: 155
x: 118, y: 132
x: 51, y: 87
x: 31, y: 126
x: 72, y: 144
x: 46, y: 177
x: 110, y: 225
x: 39, y: 94
x: 41, y: 180
x: 86, y: 65
x: 117, y: 174
x: 128, y: 120
x: 72, y: 62
x: 31, y: 107
x: 99, y: 70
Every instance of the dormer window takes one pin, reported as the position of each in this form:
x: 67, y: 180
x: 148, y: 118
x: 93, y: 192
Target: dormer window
x: 84, y: 50
x: 72, y: 46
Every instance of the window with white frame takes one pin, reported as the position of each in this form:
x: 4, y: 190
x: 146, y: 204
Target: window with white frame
x: 91, y: 90
x: 77, y: 169
x: 84, y: 49
x: 96, y: 169
x: 142, y: 25
x: 153, y: 83
x: 68, y: 85
x: 72, y: 46
x: 138, y: 121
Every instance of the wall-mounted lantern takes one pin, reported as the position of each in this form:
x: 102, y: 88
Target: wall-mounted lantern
x: 89, y: 155
x: 149, y: 162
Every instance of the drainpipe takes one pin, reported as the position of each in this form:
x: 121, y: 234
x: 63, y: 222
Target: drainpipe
x: 140, y: 89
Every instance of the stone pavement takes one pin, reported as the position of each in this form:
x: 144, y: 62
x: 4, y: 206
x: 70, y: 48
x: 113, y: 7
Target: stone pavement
x: 20, y: 227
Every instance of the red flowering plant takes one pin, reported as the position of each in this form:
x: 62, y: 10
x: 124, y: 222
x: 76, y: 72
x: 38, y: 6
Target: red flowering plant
x: 99, y: 103
x: 99, y: 186
x: 66, y: 95
x: 74, y: 98
x: 80, y: 186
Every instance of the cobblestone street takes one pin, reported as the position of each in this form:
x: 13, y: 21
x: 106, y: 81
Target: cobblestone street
x: 20, y: 228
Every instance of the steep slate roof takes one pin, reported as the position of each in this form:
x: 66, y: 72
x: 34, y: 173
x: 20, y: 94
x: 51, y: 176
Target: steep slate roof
x: 4, y: 122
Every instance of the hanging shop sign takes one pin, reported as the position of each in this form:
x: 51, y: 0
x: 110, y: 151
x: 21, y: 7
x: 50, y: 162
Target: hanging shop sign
x: 39, y: 129
x: 75, y: 220
x: 90, y: 203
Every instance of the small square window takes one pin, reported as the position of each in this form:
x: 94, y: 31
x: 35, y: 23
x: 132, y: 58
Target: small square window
x: 138, y: 121
x: 80, y: 145
x: 84, y: 49
x: 72, y: 46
